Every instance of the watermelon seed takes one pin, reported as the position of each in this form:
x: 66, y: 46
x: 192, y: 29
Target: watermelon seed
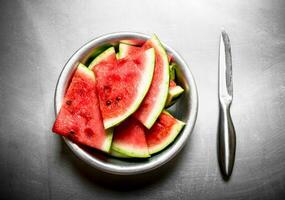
x: 107, y: 89
x: 118, y: 98
x: 108, y: 102
x: 137, y: 61
x: 68, y: 102
x: 71, y: 132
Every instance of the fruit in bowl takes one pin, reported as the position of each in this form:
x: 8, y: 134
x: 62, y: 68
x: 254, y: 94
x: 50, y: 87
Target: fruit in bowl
x: 117, y: 99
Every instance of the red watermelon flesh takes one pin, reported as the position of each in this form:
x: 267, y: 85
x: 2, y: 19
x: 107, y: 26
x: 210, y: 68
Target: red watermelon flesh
x: 170, y: 58
x: 129, y: 139
x: 163, y: 132
x: 80, y: 118
x: 122, y: 85
x: 172, y: 84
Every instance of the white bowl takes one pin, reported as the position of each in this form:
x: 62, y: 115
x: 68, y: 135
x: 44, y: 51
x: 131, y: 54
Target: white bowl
x: 185, y: 109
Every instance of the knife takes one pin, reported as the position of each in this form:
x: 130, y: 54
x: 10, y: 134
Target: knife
x: 226, y: 130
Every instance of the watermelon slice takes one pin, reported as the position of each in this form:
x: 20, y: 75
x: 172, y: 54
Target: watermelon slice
x: 107, y: 57
x: 79, y: 118
x: 125, y: 48
x: 89, y: 57
x: 163, y: 132
x: 123, y: 84
x: 155, y: 99
x: 128, y: 50
x: 129, y: 139
x: 173, y: 93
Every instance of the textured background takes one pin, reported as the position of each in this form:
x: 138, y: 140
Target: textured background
x: 37, y: 38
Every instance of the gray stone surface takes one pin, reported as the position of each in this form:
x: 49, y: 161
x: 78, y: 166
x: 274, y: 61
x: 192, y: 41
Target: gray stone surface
x: 37, y: 38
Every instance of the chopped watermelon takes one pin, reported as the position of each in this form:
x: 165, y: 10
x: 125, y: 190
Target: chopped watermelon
x: 135, y: 46
x: 107, y: 57
x: 173, y: 94
x: 122, y: 84
x: 155, y: 99
x: 79, y: 118
x: 163, y: 132
x: 129, y: 139
x: 125, y: 102
x: 126, y: 50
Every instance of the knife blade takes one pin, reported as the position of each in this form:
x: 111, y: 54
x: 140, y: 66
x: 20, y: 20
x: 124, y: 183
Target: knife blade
x: 226, y: 130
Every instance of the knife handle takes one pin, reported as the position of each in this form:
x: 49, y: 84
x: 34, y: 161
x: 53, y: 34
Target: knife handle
x: 226, y: 140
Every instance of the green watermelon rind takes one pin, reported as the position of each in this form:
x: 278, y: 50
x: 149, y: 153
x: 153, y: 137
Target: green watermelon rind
x: 101, y: 57
x: 86, y: 60
x: 83, y: 69
x: 131, y: 151
x: 172, y: 71
x: 174, y: 132
x: 123, y: 50
x: 163, y: 91
x: 108, y: 141
x: 173, y: 93
x: 142, y: 90
x: 117, y: 154
x: 118, y: 55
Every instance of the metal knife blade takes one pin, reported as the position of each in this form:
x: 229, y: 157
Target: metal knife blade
x: 225, y: 69
x: 226, y: 131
